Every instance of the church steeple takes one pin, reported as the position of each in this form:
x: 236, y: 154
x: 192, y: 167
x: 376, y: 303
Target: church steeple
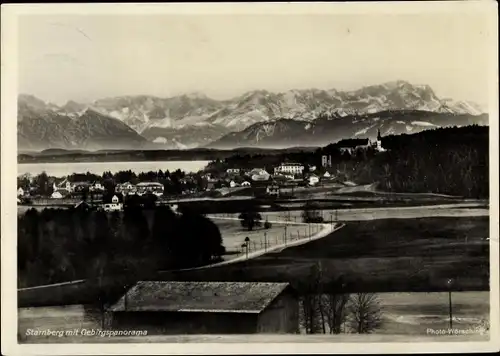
x: 379, y: 137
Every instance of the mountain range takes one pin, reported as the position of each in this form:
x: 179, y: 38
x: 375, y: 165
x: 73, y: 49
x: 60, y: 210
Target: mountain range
x: 41, y: 126
x: 255, y: 119
x: 326, y: 129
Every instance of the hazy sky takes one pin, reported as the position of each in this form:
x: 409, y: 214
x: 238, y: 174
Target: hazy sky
x: 88, y: 57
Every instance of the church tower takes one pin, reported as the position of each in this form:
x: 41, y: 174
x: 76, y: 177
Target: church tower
x: 379, y: 141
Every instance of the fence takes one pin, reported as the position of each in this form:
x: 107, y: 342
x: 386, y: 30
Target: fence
x: 285, y: 228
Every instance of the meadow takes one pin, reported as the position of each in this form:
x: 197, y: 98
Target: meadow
x: 387, y: 255
x: 233, y: 234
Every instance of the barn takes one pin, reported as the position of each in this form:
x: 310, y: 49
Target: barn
x: 165, y: 307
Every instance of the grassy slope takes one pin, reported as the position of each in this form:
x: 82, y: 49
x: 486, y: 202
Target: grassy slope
x: 381, y: 256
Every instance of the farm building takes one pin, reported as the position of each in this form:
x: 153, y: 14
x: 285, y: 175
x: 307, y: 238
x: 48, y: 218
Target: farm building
x: 207, y: 308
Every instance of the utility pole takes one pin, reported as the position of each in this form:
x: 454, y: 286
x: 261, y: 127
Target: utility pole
x: 285, y: 233
x: 265, y: 241
x: 451, y: 312
x: 450, y: 283
x: 246, y: 244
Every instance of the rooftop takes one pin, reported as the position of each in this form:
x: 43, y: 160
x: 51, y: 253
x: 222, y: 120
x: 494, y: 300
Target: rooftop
x: 81, y: 183
x: 62, y: 191
x: 145, y: 184
x: 226, y: 297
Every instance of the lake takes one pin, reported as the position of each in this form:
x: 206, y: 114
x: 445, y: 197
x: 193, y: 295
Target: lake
x: 64, y: 169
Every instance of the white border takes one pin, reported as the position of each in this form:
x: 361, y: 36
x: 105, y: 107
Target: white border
x: 9, y: 163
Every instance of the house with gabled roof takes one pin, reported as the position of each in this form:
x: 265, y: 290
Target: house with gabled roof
x: 166, y: 307
x: 64, y: 184
x: 60, y: 193
x: 97, y: 186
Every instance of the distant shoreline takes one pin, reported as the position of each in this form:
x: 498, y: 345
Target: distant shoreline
x: 200, y: 154
x: 108, y: 160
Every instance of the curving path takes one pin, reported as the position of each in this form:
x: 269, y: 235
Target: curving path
x: 327, y: 229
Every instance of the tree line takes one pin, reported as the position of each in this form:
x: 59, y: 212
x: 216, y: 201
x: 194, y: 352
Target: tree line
x: 57, y: 245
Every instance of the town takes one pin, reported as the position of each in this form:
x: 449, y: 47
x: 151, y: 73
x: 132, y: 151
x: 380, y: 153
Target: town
x: 219, y: 179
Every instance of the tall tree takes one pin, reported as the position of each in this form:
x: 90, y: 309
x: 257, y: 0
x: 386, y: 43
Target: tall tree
x: 365, y: 313
x: 42, y: 184
x: 335, y: 309
x: 250, y: 218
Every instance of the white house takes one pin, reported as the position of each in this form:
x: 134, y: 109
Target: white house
x: 126, y: 188
x: 151, y: 187
x: 97, y: 186
x: 246, y: 184
x: 327, y: 175
x: 292, y: 168
x: 233, y: 184
x: 20, y: 192
x: 312, y: 179
x: 258, y: 174
x: 56, y: 195
x: 233, y: 171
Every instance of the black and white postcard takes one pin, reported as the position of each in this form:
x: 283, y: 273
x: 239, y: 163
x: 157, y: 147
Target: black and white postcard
x: 247, y: 178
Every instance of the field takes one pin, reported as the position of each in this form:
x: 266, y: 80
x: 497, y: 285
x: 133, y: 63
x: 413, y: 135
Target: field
x: 333, y: 190
x: 465, y: 210
x: 388, y: 255
x: 233, y: 234
x: 405, y: 315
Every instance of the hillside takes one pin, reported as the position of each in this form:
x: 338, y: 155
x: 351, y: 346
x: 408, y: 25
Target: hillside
x: 39, y: 127
x: 329, y: 128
